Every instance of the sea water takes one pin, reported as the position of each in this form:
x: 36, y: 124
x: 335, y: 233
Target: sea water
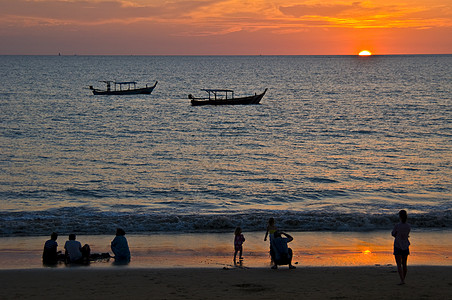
x: 338, y: 143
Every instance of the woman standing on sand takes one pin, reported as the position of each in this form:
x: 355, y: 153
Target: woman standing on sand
x: 401, y: 233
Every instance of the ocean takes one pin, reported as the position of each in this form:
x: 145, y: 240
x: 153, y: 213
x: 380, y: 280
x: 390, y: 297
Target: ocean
x: 338, y: 143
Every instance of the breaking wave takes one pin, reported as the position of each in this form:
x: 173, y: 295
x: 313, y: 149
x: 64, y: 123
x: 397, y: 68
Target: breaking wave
x: 93, y: 221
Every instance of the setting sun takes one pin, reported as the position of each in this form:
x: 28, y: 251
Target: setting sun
x: 365, y: 53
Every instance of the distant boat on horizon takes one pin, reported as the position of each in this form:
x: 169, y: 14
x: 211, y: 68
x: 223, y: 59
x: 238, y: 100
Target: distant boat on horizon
x: 122, y: 88
x: 220, y: 97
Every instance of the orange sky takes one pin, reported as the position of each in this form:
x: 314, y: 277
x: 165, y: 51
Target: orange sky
x: 230, y: 27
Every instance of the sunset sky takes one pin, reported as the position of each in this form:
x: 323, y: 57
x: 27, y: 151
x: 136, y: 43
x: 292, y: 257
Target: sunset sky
x: 225, y: 27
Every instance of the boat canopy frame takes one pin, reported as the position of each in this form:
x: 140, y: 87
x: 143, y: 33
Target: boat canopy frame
x: 121, y: 84
x: 215, y: 92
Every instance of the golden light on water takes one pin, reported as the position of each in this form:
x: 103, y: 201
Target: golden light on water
x: 365, y: 53
x: 367, y: 252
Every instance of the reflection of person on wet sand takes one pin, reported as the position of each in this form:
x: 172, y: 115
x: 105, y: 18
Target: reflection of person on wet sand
x: 238, y: 243
x: 401, y: 233
x: 120, y: 247
x: 50, y: 253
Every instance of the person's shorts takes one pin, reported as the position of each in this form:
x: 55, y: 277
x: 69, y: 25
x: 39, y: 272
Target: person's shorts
x: 398, y: 251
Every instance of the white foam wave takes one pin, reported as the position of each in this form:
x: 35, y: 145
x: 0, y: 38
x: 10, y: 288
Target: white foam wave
x: 93, y: 221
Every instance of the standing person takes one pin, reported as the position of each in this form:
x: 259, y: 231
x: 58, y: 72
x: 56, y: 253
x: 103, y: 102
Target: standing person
x: 401, y: 233
x: 238, y: 243
x: 73, y: 250
x: 271, y: 228
x: 120, y: 247
x: 50, y: 253
x: 281, y: 254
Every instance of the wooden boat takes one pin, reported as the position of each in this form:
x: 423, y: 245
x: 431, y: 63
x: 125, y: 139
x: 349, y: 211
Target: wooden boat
x: 220, y: 97
x: 122, y: 88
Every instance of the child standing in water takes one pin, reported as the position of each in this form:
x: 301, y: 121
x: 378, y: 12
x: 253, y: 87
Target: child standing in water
x: 271, y: 228
x: 238, y: 242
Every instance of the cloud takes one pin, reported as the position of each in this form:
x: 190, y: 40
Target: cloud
x: 204, y: 17
x: 372, y: 14
x: 300, y: 10
x: 98, y: 12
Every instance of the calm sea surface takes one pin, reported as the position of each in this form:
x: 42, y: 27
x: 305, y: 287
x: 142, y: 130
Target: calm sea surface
x: 337, y: 143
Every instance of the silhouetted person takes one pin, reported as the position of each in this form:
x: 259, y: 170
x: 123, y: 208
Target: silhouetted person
x: 120, y: 247
x: 238, y: 243
x: 401, y: 233
x: 50, y: 253
x: 271, y: 228
x: 75, y: 253
x: 281, y: 254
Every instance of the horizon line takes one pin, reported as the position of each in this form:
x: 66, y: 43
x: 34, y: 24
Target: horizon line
x: 75, y: 54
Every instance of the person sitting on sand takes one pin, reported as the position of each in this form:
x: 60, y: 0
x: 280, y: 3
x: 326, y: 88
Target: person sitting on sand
x: 120, y: 247
x: 50, y: 253
x: 74, y: 251
x: 281, y: 254
x: 401, y: 233
x: 238, y: 243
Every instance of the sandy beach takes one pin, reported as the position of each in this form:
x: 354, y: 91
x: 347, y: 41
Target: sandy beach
x: 227, y: 283
x: 199, y: 266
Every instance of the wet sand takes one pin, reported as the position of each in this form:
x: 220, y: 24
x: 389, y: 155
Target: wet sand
x: 215, y: 250
x: 226, y: 283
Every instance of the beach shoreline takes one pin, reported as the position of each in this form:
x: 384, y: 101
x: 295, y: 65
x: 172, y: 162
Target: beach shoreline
x: 215, y: 250
x: 423, y: 282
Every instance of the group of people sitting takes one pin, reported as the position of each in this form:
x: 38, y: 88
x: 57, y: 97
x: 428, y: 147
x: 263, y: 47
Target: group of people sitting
x: 75, y: 253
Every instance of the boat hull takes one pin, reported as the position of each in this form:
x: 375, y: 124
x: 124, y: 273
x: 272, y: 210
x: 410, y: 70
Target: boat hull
x: 146, y: 90
x: 234, y: 101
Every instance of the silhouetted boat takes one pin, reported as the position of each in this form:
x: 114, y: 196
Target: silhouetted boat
x: 220, y: 97
x: 122, y: 88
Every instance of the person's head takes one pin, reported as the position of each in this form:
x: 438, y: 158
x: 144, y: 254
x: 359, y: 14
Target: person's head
x: 54, y: 236
x: 277, y: 234
x: 271, y: 221
x: 72, y: 237
x: 403, y: 215
x: 238, y: 231
x: 120, y: 231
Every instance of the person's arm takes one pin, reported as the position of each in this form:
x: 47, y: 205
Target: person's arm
x: 266, y: 234
x: 290, y: 238
x: 394, y: 231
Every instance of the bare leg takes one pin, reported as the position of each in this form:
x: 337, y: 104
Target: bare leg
x: 290, y: 259
x: 398, y: 259
x: 241, y: 250
x: 235, y: 255
x: 404, y: 266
